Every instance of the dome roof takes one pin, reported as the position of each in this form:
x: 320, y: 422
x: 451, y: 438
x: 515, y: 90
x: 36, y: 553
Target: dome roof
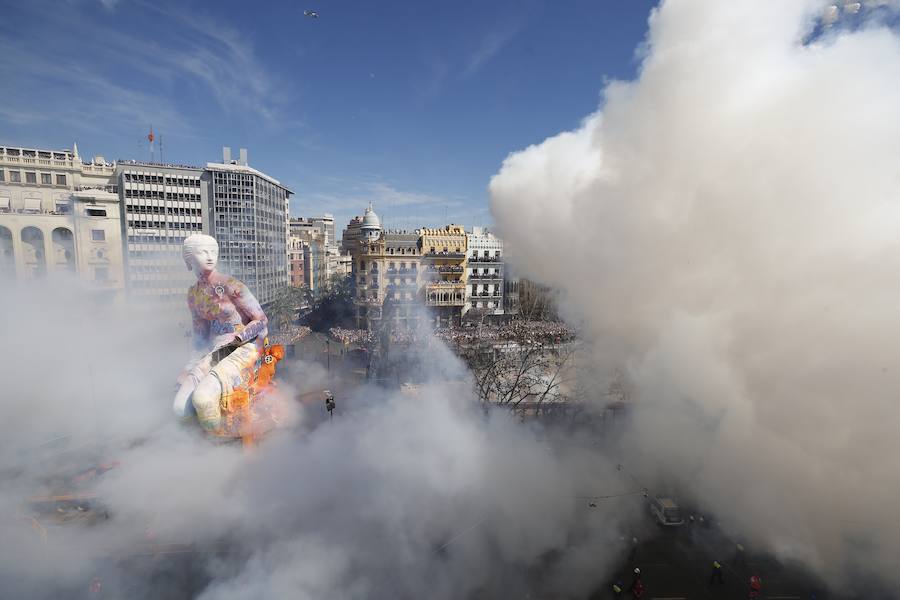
x: 370, y: 219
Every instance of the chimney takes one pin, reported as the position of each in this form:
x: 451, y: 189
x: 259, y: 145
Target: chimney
x: 243, y: 157
x: 226, y: 155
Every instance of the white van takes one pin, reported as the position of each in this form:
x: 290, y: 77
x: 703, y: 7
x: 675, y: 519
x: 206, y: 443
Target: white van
x: 666, y: 511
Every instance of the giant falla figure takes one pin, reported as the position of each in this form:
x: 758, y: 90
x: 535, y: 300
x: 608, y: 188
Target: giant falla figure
x: 230, y: 329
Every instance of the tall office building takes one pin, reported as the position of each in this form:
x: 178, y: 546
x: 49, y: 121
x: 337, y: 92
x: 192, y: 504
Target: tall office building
x: 161, y: 205
x: 249, y: 217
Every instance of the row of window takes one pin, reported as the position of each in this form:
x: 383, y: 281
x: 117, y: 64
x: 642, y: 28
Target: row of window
x: 165, y: 210
x: 170, y: 225
x: 392, y: 265
x: 175, y: 267
x: 174, y: 237
x: 32, y: 177
x: 154, y: 254
x: 392, y: 281
x: 161, y: 195
x: 182, y: 181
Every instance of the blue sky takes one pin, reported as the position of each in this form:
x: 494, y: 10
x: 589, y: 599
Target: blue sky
x: 411, y: 105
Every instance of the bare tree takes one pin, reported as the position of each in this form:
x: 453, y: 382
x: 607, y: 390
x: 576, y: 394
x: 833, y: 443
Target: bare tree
x: 523, y: 371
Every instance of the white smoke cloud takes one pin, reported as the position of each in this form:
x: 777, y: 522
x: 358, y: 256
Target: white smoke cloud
x: 398, y: 496
x: 726, y: 225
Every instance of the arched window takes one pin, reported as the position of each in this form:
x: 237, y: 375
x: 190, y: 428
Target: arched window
x: 63, y: 249
x: 33, y: 250
x: 7, y: 253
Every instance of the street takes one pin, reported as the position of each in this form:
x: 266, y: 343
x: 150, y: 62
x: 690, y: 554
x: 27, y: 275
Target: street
x: 677, y: 564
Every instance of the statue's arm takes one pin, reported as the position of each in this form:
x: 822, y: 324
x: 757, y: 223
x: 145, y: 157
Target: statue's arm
x: 257, y: 323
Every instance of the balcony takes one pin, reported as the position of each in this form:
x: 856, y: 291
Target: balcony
x: 444, y: 254
x: 445, y: 294
x: 485, y: 259
x: 443, y: 270
x: 401, y: 286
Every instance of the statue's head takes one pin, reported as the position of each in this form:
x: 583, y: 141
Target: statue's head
x: 200, y: 253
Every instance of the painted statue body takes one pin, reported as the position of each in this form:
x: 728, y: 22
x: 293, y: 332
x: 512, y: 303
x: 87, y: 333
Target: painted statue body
x: 226, y: 316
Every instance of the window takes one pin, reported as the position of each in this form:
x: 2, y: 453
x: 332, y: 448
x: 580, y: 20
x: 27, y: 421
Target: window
x: 96, y: 212
x: 46, y: 179
x: 2, y: 175
x: 60, y: 180
x: 98, y: 235
x: 15, y: 176
x: 30, y: 177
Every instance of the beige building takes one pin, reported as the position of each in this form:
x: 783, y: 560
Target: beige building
x: 444, y: 262
x: 387, y: 282
x: 60, y: 215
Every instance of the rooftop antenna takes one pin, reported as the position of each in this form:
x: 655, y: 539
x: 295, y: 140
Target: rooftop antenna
x: 160, y: 149
x: 150, y: 139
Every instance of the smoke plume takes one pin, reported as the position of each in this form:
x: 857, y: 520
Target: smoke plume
x: 726, y: 226
x: 396, y: 497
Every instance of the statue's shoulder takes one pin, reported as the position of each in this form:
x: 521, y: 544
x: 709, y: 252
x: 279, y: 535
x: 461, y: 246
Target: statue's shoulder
x: 233, y: 286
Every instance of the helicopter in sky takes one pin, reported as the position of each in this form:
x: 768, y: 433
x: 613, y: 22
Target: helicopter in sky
x: 311, y: 14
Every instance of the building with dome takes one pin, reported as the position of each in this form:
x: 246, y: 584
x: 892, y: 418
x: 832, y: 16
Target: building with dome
x: 370, y: 227
x: 385, y: 271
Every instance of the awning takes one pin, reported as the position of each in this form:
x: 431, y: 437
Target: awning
x: 32, y: 205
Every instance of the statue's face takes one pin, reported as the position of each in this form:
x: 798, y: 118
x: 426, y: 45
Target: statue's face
x: 204, y: 258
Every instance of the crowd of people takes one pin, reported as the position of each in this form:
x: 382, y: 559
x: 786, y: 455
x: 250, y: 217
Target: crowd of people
x: 360, y: 337
x: 543, y: 332
x: 289, y: 335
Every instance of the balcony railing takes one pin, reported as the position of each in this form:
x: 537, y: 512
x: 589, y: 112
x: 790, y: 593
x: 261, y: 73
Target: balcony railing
x: 485, y: 259
x: 444, y: 254
x: 443, y: 270
x: 452, y: 302
x: 445, y: 286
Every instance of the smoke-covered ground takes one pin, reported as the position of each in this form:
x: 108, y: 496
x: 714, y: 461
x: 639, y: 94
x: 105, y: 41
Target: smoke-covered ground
x: 727, y: 227
x: 398, y: 497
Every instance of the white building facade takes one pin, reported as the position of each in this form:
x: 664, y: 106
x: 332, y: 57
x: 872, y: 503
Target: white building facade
x: 484, y: 293
x: 161, y: 205
x: 59, y: 215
